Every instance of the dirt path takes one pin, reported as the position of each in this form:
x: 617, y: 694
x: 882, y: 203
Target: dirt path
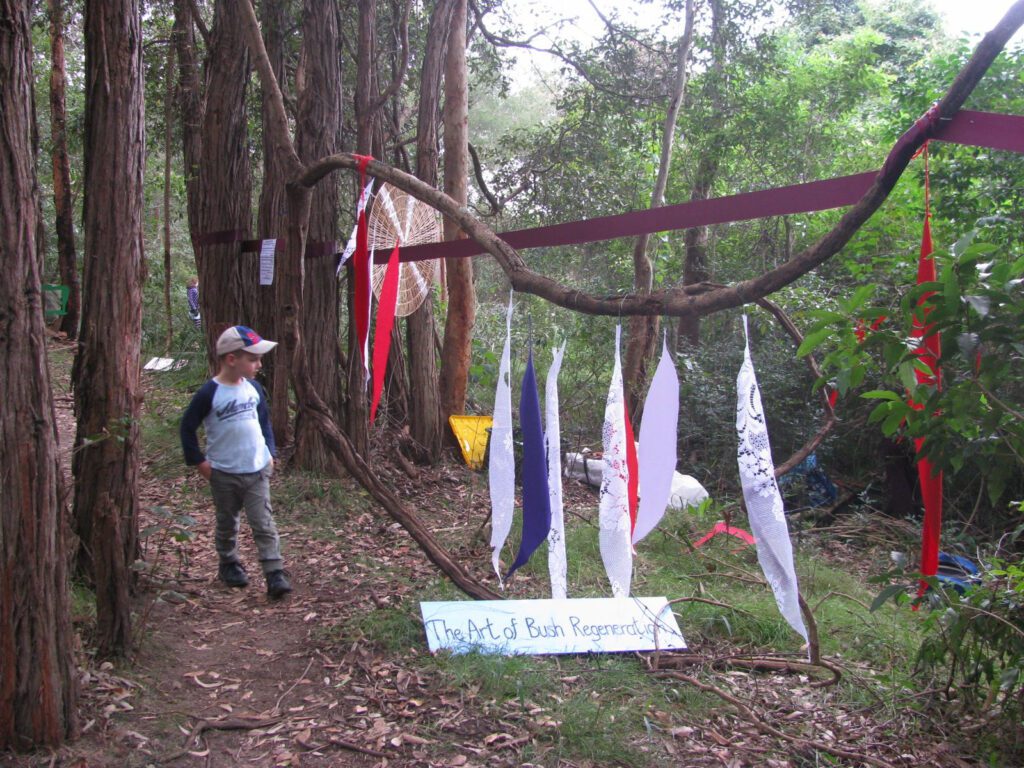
x: 337, y: 672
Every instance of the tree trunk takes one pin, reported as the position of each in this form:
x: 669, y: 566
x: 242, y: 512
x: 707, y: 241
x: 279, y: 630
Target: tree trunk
x: 38, y: 687
x: 271, y: 223
x: 318, y: 131
x: 228, y: 280
x: 168, y: 138
x: 357, y: 411
x: 67, y: 258
x: 190, y: 110
x: 643, y: 331
x: 458, y: 327
x: 695, y: 266
x: 695, y: 269
x: 106, y: 371
x: 425, y: 405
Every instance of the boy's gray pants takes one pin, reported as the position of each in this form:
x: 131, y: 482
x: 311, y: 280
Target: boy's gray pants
x: 251, y: 492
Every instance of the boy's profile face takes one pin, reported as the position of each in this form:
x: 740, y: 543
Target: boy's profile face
x: 243, y: 364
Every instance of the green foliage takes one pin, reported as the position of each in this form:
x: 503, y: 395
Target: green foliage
x: 973, y: 424
x: 973, y: 647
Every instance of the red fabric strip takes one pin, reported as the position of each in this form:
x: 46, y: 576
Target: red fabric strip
x: 928, y: 354
x: 984, y: 129
x: 799, y: 198
x: 633, y: 468
x: 720, y: 527
x: 980, y: 129
x: 382, y: 335
x: 361, y: 268
x: 361, y: 299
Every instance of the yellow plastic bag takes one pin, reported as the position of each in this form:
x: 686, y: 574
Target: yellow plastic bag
x: 472, y: 434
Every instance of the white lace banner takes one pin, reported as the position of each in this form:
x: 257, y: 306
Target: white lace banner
x: 616, y: 549
x: 761, y: 494
x: 557, y: 565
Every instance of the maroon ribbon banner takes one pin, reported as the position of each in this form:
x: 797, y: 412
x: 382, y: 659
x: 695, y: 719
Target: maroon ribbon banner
x: 979, y: 129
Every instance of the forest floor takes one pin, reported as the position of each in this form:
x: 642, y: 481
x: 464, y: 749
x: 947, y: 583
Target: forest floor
x: 338, y: 672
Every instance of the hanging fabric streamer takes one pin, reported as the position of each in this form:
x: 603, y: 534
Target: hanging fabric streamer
x: 614, y: 536
x: 928, y: 348
x: 761, y: 494
x: 350, y: 246
x: 536, y: 498
x: 557, y: 564
x: 501, y: 468
x: 632, y: 467
x: 658, y: 438
x: 361, y: 276
x: 382, y: 333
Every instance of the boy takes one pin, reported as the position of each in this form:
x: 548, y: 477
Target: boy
x: 239, y: 458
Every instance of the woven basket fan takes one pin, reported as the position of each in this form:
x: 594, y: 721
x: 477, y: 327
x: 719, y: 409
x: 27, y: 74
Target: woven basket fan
x: 397, y: 217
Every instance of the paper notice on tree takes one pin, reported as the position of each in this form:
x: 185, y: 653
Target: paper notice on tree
x: 267, y: 261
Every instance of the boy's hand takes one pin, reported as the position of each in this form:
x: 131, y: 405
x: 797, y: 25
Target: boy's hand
x: 204, y: 469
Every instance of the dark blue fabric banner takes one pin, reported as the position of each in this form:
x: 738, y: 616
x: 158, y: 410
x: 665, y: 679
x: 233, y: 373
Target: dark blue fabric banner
x: 536, y: 502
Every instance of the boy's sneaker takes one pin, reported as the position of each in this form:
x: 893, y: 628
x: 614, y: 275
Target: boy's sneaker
x: 233, y: 574
x: 277, y: 584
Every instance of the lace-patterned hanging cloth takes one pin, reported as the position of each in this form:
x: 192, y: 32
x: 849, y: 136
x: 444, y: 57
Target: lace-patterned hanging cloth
x: 501, y: 468
x: 761, y: 494
x: 615, y: 524
x: 557, y: 566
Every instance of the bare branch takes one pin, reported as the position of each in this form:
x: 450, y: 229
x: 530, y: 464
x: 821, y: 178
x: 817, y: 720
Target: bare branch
x: 403, y: 64
x: 478, y: 172
x: 702, y: 299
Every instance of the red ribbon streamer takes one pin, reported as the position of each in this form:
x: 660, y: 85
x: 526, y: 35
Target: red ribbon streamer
x: 382, y: 335
x: 361, y: 267
x: 633, y: 468
x: 980, y: 129
x: 720, y: 527
x: 928, y: 351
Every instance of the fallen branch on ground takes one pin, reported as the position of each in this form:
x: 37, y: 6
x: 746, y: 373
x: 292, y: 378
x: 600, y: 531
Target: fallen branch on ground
x: 223, y: 724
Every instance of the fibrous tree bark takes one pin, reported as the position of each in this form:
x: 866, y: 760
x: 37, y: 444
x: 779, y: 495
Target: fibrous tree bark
x: 169, y: 91
x: 318, y: 134
x: 37, y: 674
x: 425, y: 406
x: 458, y: 326
x: 228, y: 281
x: 643, y: 330
x: 106, y: 371
x: 63, y: 204
x: 696, y: 269
x: 271, y: 223
x: 190, y: 108
x: 299, y: 190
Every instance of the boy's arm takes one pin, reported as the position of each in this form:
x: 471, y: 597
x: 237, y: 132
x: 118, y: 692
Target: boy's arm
x: 198, y: 409
x: 263, y: 412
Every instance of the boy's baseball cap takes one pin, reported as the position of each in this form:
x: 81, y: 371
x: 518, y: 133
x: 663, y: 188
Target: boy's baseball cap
x: 238, y: 337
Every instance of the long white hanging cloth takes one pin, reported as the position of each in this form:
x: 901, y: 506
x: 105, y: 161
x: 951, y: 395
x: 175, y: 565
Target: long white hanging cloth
x: 658, y: 439
x: 615, y: 524
x: 557, y: 564
x: 761, y: 494
x: 501, y: 467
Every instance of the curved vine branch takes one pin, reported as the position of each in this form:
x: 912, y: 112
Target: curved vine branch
x: 702, y: 299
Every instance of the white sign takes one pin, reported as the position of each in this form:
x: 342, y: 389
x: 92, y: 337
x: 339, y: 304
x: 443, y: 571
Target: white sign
x: 595, y: 625
x: 267, y: 261
x: 164, y: 364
